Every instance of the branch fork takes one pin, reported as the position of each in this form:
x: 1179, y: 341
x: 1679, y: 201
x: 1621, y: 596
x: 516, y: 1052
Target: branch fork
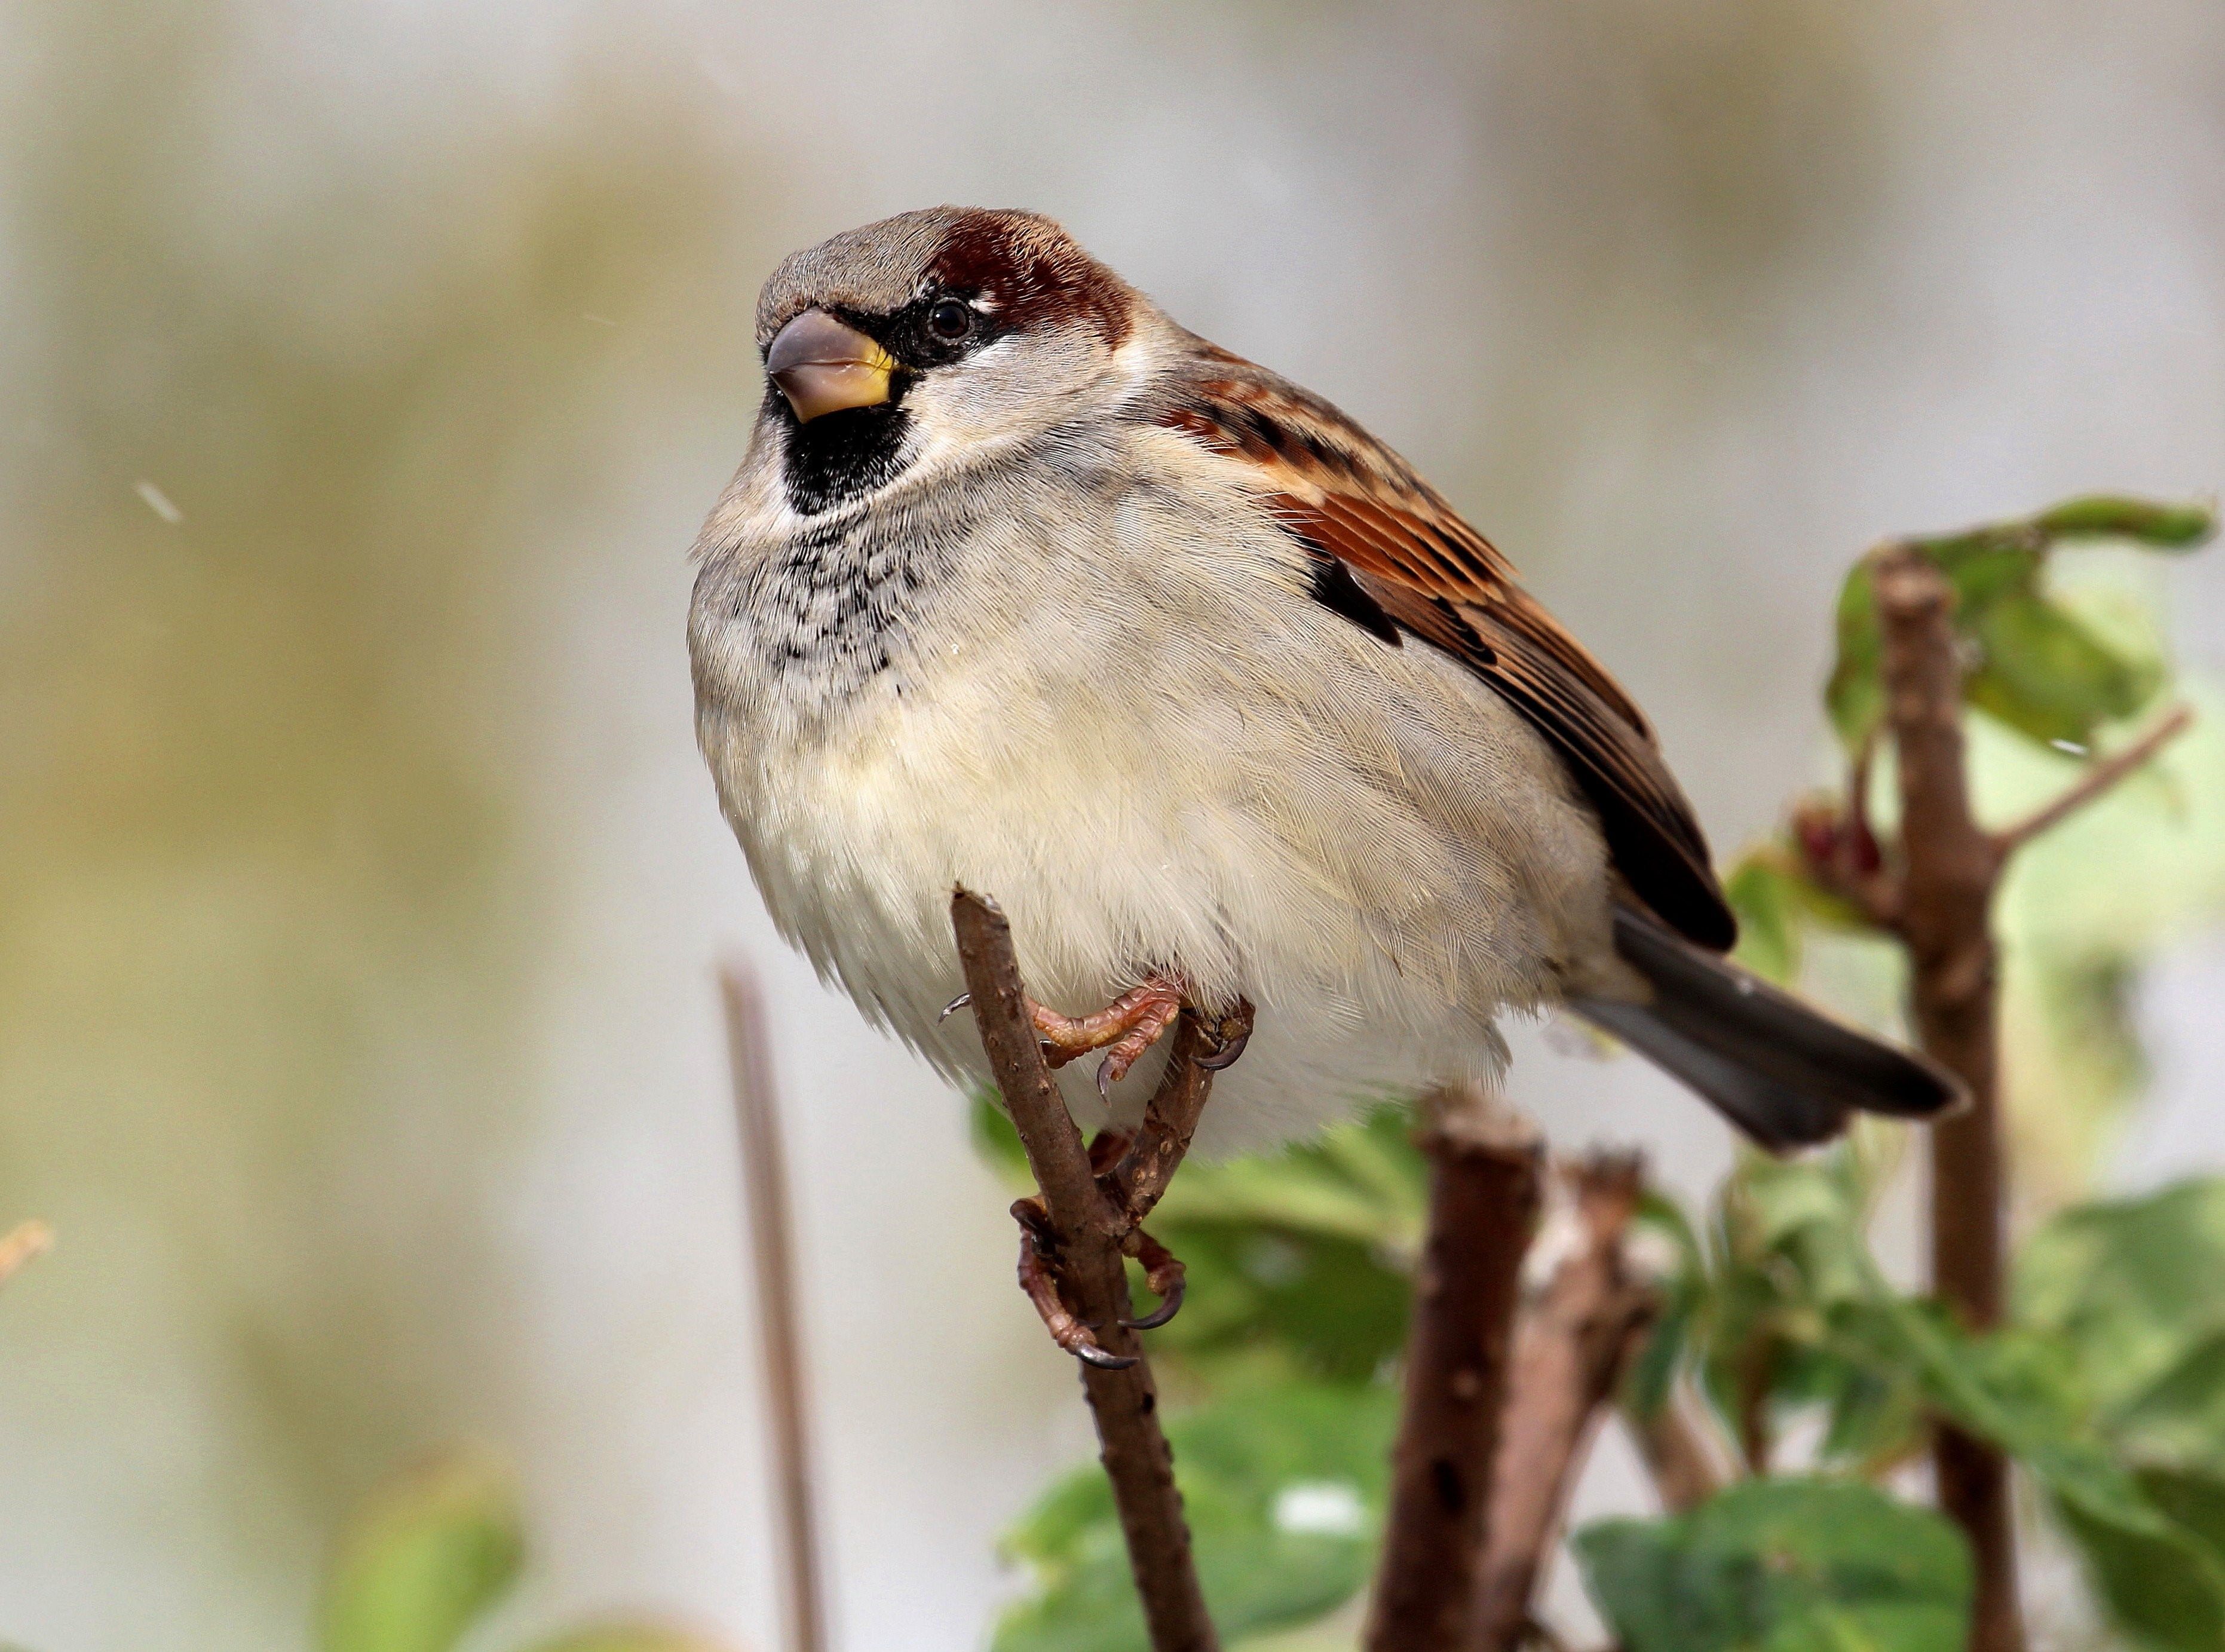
x: 1838, y: 845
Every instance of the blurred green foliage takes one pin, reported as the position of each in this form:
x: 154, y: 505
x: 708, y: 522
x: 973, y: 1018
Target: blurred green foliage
x: 1282, y: 1484
x: 1782, y: 1566
x: 2106, y: 1383
x: 433, y: 1552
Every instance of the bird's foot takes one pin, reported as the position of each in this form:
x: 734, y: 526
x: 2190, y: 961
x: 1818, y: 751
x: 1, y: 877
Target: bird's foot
x: 1123, y: 1028
x: 1039, y: 1279
x: 1038, y: 1271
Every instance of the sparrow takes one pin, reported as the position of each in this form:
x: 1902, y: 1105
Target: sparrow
x: 1022, y: 586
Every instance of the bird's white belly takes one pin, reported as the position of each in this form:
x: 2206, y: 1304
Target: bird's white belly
x: 1380, y: 868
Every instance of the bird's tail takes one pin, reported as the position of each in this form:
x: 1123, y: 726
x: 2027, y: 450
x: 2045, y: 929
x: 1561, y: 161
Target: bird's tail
x: 1785, y: 1073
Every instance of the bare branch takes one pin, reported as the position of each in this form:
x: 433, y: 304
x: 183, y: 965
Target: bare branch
x: 1571, y: 1350
x: 764, y: 1177
x: 1949, y: 867
x: 1484, y: 1186
x: 2099, y: 778
x: 1085, y: 1229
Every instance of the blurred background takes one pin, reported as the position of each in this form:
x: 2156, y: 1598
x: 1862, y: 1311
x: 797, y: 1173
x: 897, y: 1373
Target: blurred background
x: 366, y: 371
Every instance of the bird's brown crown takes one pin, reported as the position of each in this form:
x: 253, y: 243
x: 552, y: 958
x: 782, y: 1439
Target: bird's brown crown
x: 1021, y: 267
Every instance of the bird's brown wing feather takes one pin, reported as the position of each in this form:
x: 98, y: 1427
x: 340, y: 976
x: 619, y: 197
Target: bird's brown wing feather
x: 1375, y: 523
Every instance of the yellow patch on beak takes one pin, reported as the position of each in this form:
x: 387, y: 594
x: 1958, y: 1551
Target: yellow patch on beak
x: 823, y: 365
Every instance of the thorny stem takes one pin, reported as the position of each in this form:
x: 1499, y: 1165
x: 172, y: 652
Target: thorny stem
x: 1086, y: 1231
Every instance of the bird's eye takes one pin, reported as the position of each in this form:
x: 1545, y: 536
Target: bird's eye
x: 949, y: 319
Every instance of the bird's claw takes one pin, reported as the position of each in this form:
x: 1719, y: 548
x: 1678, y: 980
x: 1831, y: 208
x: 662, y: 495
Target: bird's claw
x: 1170, y: 1305
x: 1162, y: 1276
x: 954, y: 1007
x: 1225, y: 1051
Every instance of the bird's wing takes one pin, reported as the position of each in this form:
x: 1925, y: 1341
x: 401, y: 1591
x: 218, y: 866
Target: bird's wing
x: 1394, y: 556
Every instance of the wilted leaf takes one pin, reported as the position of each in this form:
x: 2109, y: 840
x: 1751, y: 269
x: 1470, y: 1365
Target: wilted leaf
x: 1782, y: 1566
x: 1283, y: 1488
x: 427, y: 1555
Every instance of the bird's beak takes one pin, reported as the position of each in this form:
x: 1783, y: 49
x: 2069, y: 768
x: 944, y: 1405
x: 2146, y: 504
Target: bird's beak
x: 822, y: 366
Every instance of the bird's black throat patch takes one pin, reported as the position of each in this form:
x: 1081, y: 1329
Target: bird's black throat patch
x: 839, y: 456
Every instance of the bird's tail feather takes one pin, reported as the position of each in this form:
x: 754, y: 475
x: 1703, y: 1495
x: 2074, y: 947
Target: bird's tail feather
x: 1785, y: 1074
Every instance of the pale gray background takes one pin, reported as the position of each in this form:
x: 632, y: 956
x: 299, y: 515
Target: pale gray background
x: 356, y: 1019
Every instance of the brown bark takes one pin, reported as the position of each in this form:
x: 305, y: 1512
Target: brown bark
x: 1571, y: 1350
x: 1949, y: 867
x: 1086, y: 1231
x: 1483, y: 1188
x: 1677, y: 1443
x: 764, y: 1177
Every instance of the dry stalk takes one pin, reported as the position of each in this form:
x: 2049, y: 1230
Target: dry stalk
x: 764, y: 1178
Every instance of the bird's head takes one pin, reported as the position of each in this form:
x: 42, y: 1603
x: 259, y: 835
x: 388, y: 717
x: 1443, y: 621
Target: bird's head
x: 926, y: 340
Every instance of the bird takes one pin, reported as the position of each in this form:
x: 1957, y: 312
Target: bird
x: 1023, y: 588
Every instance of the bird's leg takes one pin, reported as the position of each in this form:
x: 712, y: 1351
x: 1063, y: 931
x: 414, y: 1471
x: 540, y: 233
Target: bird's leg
x: 1039, y: 1279
x: 1123, y: 1028
x: 1123, y: 1164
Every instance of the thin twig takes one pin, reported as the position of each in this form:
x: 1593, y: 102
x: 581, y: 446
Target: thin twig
x: 2100, y: 777
x: 1483, y: 1188
x: 764, y: 1178
x: 1571, y: 1348
x: 27, y: 1239
x: 1949, y: 870
x: 1085, y: 1230
x: 1684, y: 1451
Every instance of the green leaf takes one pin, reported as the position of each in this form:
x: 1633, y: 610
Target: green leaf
x: 2180, y: 1417
x: 2043, y: 672
x: 2046, y: 675
x: 2172, y: 528
x: 426, y: 1554
x: 1282, y: 1487
x: 2166, y: 1585
x: 997, y: 1143
x: 1854, y: 696
x: 2132, y: 1285
x: 1763, y: 895
x: 1297, y: 1260
x: 1782, y: 1566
